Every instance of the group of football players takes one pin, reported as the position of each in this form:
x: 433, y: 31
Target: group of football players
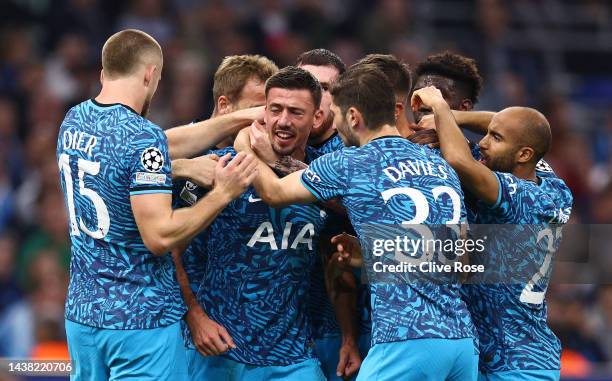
x: 267, y: 206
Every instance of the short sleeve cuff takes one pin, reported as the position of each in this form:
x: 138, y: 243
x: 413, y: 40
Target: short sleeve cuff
x: 314, y: 192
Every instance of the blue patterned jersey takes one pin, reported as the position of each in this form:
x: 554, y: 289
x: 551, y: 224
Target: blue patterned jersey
x: 511, y: 315
x: 377, y: 184
x: 107, y: 153
x: 333, y: 143
x: 320, y: 309
x: 259, y: 261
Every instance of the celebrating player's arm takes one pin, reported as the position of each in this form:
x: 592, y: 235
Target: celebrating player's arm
x: 475, y: 121
x: 209, y: 337
x: 199, y: 170
x: 163, y: 228
x: 192, y: 139
x: 474, y: 175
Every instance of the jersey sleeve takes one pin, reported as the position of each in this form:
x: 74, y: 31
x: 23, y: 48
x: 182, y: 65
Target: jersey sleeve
x: 149, y: 162
x: 326, y: 177
x: 507, y: 195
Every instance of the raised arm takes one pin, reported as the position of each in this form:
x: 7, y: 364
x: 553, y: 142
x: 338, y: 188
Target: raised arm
x: 475, y: 121
x: 192, y: 139
x: 163, y: 228
x: 475, y: 176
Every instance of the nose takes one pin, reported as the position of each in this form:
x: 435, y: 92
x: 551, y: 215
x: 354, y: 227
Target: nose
x: 284, y: 119
x: 483, y: 143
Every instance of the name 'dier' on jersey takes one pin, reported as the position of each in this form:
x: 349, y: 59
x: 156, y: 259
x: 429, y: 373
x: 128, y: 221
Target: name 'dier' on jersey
x: 258, y: 270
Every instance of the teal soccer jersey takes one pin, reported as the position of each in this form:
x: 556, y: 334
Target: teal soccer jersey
x: 106, y: 153
x: 510, y: 311
x: 391, y: 181
x: 258, y: 262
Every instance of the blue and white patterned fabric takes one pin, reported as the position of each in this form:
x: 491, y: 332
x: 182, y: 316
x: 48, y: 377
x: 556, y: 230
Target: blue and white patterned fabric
x: 510, y: 314
x: 378, y: 184
x: 106, y: 153
x: 258, y: 266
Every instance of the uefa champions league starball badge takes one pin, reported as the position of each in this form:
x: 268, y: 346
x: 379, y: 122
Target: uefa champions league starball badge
x: 152, y: 159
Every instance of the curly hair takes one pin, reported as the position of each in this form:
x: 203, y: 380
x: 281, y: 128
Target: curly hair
x: 454, y: 66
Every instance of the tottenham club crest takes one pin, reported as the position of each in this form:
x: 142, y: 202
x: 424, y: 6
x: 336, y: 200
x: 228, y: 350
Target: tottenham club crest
x: 152, y: 159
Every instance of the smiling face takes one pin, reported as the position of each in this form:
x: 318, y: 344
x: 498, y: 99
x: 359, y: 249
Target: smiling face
x: 289, y: 118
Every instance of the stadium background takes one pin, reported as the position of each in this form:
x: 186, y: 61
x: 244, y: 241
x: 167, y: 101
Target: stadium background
x: 554, y: 55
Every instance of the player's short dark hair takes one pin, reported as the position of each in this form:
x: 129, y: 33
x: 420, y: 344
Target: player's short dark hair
x: 321, y: 57
x: 366, y: 88
x: 125, y: 50
x: 234, y: 71
x: 397, y: 72
x: 454, y: 66
x: 294, y: 78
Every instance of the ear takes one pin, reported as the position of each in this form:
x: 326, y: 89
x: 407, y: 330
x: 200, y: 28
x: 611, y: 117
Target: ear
x: 149, y: 73
x: 525, y: 155
x: 101, y: 75
x: 223, y: 105
x: 354, y: 117
x: 318, y: 119
x: 466, y: 105
x: 399, y: 109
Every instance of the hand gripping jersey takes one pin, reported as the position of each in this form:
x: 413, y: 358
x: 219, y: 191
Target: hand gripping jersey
x: 258, y: 266
x: 510, y: 314
x: 391, y: 181
x: 105, y: 154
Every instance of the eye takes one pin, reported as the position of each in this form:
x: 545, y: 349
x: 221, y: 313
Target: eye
x: 325, y: 87
x: 496, y: 137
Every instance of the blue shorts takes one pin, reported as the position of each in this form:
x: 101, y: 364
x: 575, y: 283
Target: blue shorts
x: 328, y: 352
x: 219, y: 368
x: 521, y: 375
x: 421, y: 360
x: 99, y: 354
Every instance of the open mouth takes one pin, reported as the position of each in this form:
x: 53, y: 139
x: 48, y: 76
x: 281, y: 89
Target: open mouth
x: 284, y: 136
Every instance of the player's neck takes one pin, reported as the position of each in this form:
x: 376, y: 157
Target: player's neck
x: 299, y: 154
x: 121, y: 91
x: 525, y: 172
x: 323, y: 138
x: 403, y: 126
x: 385, y: 130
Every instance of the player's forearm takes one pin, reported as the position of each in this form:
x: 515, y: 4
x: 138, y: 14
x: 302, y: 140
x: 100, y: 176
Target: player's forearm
x: 180, y: 169
x: 268, y: 186
x: 453, y: 145
x: 181, y: 275
x: 193, y: 139
x: 345, y: 306
x: 287, y: 165
x: 183, y: 224
x: 475, y: 121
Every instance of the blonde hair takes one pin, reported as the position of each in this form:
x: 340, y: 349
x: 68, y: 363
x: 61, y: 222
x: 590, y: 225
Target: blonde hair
x: 124, y: 51
x: 235, y: 71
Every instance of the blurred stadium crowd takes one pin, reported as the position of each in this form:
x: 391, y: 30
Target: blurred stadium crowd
x: 550, y: 54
